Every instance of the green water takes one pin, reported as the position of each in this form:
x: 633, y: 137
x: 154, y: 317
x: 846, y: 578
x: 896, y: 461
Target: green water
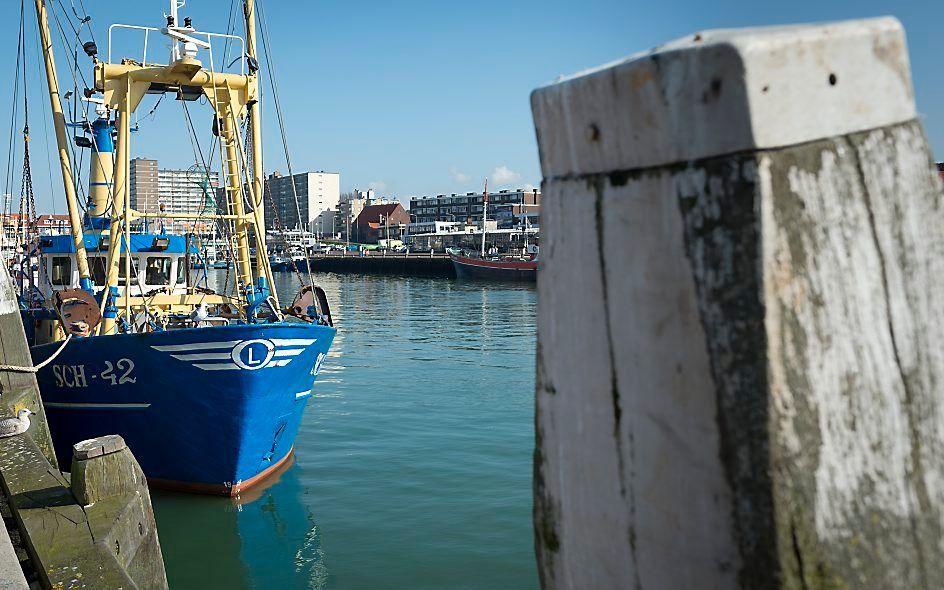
x: 413, y: 462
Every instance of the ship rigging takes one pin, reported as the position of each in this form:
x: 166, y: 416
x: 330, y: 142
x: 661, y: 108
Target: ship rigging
x: 146, y: 337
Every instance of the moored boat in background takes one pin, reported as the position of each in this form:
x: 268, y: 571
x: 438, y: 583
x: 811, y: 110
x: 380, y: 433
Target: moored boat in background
x: 492, y: 266
x: 495, y: 269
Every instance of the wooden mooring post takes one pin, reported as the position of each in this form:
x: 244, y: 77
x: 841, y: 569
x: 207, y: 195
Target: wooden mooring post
x: 93, y: 528
x: 740, y: 377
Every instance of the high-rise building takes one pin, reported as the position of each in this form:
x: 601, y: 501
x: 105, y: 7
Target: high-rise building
x: 318, y: 195
x: 188, y: 191
x: 144, y: 188
x: 178, y: 191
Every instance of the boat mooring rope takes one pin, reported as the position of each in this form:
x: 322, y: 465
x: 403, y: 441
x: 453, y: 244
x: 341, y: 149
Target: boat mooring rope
x: 19, y: 369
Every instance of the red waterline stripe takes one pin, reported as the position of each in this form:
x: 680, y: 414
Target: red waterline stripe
x: 218, y: 489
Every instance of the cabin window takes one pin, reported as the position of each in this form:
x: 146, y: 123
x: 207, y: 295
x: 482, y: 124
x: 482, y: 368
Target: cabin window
x: 157, y: 271
x: 97, y: 270
x: 61, y: 271
x: 121, y: 267
x: 181, y: 269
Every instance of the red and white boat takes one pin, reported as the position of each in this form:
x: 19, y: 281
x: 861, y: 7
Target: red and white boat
x: 495, y: 269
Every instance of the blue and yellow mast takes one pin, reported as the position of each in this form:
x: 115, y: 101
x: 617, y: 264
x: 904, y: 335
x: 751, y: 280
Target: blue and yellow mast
x: 101, y: 169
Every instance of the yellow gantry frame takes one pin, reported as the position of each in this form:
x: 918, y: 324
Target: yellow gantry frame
x: 123, y: 86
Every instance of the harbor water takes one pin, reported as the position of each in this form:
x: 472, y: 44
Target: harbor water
x: 412, y: 466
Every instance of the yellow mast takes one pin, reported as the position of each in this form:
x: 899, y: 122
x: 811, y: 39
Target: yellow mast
x: 62, y: 141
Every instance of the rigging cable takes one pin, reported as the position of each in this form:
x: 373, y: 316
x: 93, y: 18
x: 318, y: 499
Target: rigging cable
x: 27, y: 201
x: 221, y: 226
x: 73, y: 69
x: 80, y: 187
x: 8, y: 188
x: 230, y: 25
x: 46, y: 115
x: 264, y: 33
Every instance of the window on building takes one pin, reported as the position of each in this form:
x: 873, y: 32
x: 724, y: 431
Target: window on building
x: 60, y: 273
x: 157, y: 270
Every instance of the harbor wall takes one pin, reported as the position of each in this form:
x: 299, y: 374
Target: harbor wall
x: 385, y: 264
x: 739, y: 381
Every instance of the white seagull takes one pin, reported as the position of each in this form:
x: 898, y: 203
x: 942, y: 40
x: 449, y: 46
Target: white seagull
x: 15, y: 426
x: 199, y: 314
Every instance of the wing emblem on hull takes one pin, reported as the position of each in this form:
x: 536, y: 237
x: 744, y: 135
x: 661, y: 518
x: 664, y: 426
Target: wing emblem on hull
x: 236, y: 355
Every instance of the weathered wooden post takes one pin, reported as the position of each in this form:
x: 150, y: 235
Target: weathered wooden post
x: 109, y: 483
x: 740, y: 369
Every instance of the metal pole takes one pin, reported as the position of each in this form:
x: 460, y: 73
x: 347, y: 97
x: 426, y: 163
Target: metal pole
x: 62, y: 142
x: 484, y: 216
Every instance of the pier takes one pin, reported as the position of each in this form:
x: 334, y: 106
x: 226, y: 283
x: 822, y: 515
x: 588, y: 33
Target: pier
x: 743, y: 238
x: 385, y: 263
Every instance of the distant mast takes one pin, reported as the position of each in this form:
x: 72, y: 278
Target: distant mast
x: 484, y: 217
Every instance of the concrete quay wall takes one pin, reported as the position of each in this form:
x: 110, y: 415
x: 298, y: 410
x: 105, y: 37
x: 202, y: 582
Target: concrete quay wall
x: 386, y: 264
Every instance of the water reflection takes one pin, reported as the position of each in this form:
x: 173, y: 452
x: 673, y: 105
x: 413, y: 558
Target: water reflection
x: 278, y: 530
x: 412, y: 466
x: 261, y: 539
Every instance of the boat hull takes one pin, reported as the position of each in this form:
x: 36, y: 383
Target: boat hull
x: 495, y: 270
x: 289, y: 266
x: 209, y: 410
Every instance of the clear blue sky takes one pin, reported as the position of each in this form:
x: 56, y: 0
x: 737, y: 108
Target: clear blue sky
x: 427, y: 97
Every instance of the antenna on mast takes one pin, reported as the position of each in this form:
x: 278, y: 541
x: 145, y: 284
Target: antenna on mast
x: 179, y: 34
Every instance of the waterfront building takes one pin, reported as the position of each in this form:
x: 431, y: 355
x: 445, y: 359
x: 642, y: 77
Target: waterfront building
x: 368, y: 196
x: 510, y: 208
x: 11, y: 228
x: 46, y: 225
x: 53, y: 225
x: 349, y: 208
x: 438, y: 235
x: 318, y: 194
x: 187, y: 191
x: 376, y: 222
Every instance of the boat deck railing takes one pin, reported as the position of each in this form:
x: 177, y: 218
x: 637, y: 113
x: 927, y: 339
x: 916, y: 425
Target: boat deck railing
x: 207, y: 37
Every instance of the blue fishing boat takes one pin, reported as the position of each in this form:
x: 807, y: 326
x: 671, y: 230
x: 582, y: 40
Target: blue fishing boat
x: 279, y: 263
x: 208, y: 388
x: 205, y: 410
x: 289, y: 263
